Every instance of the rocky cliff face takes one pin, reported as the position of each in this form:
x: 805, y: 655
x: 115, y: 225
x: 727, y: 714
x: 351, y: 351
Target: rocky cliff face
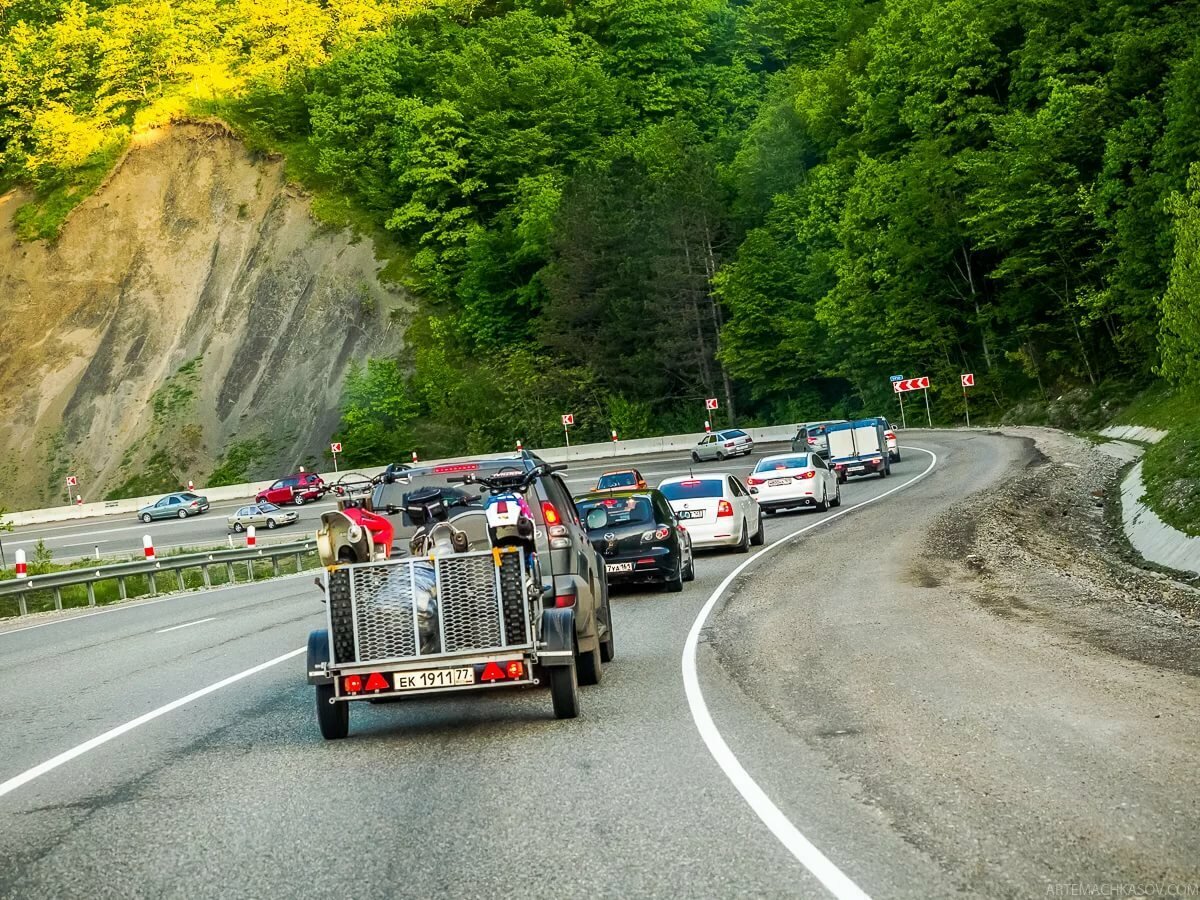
x: 191, y: 307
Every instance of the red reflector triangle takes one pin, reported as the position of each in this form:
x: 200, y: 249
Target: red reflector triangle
x: 492, y: 672
x: 377, y: 682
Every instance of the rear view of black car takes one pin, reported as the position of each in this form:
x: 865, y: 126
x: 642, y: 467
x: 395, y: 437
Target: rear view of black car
x: 638, y: 537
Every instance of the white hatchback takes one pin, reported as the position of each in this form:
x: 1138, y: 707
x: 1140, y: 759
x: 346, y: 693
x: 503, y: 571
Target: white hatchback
x: 716, y: 509
x: 793, y: 480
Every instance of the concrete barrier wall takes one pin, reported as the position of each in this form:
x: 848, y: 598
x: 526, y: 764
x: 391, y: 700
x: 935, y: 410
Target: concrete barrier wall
x: 1151, y: 536
x: 608, y: 449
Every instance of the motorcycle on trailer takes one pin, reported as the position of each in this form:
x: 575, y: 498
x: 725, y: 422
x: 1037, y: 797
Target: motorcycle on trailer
x: 448, y: 615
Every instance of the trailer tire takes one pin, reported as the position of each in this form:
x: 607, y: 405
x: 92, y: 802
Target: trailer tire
x: 333, y: 718
x: 564, y: 691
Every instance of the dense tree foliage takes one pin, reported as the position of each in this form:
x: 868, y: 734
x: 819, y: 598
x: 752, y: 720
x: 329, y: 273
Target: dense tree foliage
x: 618, y: 207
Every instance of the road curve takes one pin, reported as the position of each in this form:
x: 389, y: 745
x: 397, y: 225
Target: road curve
x: 236, y: 795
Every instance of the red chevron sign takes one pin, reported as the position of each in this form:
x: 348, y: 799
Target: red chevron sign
x: 910, y: 384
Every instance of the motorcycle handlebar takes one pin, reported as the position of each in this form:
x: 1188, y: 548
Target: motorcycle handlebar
x: 507, y: 481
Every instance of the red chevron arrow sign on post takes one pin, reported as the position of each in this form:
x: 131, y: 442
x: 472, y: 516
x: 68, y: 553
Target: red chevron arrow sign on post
x: 910, y: 384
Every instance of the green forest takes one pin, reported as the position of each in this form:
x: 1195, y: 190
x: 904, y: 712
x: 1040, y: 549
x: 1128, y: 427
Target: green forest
x: 617, y: 208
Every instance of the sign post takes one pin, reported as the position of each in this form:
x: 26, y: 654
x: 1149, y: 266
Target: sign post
x: 568, y: 419
x: 900, y: 397
x: 72, y: 481
x: 335, y: 448
x: 968, y: 380
x: 915, y: 384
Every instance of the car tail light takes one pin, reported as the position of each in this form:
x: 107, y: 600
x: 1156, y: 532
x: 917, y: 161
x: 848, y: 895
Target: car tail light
x: 659, y: 534
x: 352, y: 684
x: 728, y: 444
x: 890, y: 435
x: 804, y: 476
x: 690, y: 483
x: 753, y: 480
x: 195, y: 503
x: 647, y: 561
x: 724, y: 508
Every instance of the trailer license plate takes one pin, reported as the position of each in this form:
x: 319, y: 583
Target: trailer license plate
x: 619, y: 567
x: 433, y: 678
x: 690, y: 514
x: 779, y: 482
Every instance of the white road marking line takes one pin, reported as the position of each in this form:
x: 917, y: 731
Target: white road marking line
x: 805, y: 852
x: 186, y: 625
x: 51, y: 764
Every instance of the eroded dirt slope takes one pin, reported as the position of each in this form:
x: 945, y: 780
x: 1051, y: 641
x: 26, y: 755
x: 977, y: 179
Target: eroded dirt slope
x: 190, y: 304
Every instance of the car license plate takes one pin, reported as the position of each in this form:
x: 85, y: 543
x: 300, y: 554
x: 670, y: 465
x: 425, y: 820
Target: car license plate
x: 433, y: 678
x: 779, y: 482
x: 618, y: 567
x: 690, y: 514
x: 856, y: 468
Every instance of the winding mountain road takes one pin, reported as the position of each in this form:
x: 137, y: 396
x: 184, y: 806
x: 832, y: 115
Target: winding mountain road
x: 815, y: 725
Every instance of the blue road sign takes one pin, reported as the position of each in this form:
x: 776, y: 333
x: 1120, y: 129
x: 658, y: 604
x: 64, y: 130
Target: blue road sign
x: 897, y: 378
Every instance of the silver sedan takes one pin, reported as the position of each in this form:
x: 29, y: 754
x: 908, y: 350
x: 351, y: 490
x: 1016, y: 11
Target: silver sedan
x: 261, y: 515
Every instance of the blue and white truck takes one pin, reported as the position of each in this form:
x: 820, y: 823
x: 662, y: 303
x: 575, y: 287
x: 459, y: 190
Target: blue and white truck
x: 858, y: 448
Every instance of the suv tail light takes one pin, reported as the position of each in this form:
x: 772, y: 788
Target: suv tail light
x: 890, y: 435
x: 555, y: 528
x: 564, y: 600
x: 724, y: 508
x: 804, y: 476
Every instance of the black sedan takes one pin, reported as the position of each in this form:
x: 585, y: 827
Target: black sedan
x: 638, y: 537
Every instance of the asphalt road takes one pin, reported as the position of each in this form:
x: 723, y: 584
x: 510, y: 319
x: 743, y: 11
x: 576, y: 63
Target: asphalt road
x: 122, y: 535
x: 234, y: 794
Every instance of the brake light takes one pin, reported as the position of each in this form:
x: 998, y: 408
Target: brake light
x: 648, y: 561
x: 562, y: 601
x: 724, y: 508
x: 550, y: 514
x: 659, y: 534
x: 804, y: 476
x: 728, y: 444
x: 457, y: 467
x: 753, y: 480
x: 690, y: 483
x: 515, y: 669
x: 352, y: 684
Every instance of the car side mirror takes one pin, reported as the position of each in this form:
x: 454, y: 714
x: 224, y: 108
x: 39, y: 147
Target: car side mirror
x: 597, y: 517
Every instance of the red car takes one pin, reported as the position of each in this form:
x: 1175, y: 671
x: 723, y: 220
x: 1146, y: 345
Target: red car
x: 298, y: 489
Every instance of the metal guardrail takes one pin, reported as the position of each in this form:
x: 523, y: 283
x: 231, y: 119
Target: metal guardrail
x: 152, y: 569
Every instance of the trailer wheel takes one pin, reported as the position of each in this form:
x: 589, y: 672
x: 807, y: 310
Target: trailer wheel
x: 564, y: 691
x: 334, y: 718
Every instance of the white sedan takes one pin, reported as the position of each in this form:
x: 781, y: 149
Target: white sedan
x: 793, y: 480
x: 716, y: 509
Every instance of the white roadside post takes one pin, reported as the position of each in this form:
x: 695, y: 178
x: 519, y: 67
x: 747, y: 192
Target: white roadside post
x: 968, y: 380
x: 148, y: 547
x: 20, y: 564
x: 251, y: 542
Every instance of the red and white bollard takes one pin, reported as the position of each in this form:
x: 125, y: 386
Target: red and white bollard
x: 148, y: 546
x: 707, y: 426
x: 302, y: 470
x: 415, y: 459
x: 191, y: 487
x: 614, y: 435
x: 519, y: 445
x: 79, y: 499
x: 251, y: 540
x: 21, y: 572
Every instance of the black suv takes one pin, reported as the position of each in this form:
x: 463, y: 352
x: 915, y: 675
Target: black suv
x: 572, y: 571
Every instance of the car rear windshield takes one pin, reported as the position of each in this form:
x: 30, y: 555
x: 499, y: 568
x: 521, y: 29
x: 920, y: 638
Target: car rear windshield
x: 800, y: 461
x: 617, y: 479
x: 187, y: 496
x: 693, y: 489
x: 736, y: 433
x: 621, y: 510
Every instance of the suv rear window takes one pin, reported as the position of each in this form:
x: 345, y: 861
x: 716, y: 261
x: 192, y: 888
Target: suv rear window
x: 692, y: 489
x: 621, y: 510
